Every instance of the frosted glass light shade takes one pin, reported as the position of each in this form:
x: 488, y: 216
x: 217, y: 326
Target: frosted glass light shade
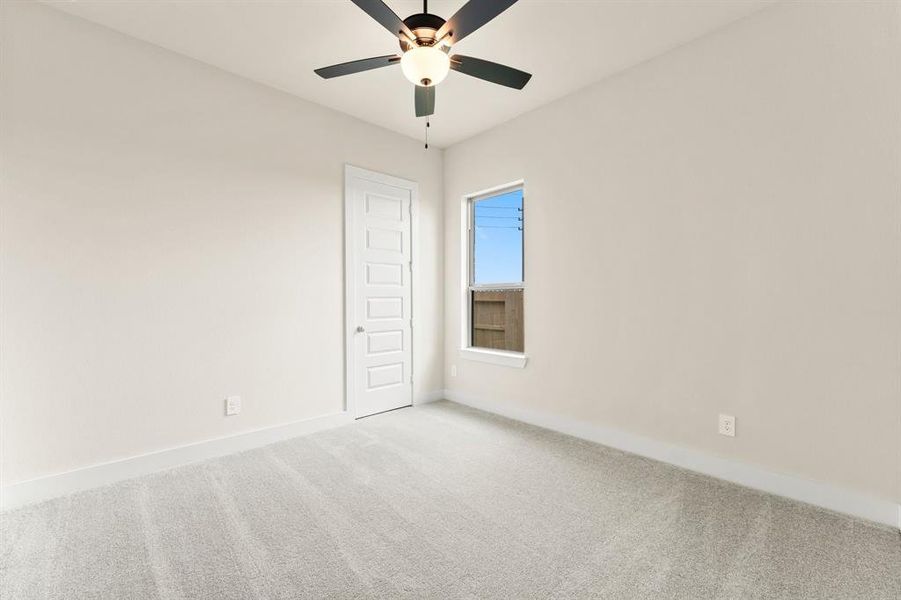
x: 425, y: 65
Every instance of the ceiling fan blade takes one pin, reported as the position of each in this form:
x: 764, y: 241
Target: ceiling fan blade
x: 379, y: 11
x: 356, y: 66
x: 490, y: 71
x: 425, y: 100
x: 471, y: 16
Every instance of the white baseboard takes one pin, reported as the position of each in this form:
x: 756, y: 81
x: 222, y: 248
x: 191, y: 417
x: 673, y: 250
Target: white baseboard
x: 811, y: 492
x: 425, y: 398
x: 51, y: 486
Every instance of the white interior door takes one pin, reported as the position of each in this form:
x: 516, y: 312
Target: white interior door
x: 379, y: 302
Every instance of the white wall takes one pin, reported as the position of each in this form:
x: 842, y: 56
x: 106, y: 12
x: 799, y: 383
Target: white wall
x: 713, y: 231
x: 172, y: 234
x: 716, y: 230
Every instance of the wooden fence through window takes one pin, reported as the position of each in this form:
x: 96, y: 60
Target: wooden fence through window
x: 497, y: 320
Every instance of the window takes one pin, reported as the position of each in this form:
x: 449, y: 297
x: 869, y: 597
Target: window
x: 496, y: 279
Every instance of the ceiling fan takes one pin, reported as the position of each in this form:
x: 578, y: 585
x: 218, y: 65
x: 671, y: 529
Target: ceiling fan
x: 425, y: 43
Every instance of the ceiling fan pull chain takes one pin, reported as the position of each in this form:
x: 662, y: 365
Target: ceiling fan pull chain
x: 427, y: 125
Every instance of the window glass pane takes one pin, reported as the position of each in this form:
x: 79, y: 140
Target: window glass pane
x: 497, y: 239
x: 497, y: 320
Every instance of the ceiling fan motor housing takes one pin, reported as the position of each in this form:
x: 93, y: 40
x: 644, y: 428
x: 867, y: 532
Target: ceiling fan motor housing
x: 426, y: 41
x: 424, y: 26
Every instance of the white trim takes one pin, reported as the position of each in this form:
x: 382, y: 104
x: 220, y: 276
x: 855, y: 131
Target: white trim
x: 466, y: 309
x: 811, y: 492
x: 350, y: 321
x: 496, y: 190
x: 490, y: 287
x: 467, y: 351
x: 495, y: 357
x: 60, y: 484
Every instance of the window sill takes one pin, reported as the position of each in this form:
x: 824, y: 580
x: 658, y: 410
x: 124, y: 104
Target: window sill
x: 495, y: 357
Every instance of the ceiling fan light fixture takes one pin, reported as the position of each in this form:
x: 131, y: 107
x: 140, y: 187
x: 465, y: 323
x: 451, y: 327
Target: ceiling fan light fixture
x: 425, y: 65
x: 425, y: 42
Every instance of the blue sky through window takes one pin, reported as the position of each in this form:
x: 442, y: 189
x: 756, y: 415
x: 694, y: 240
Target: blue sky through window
x: 497, y: 238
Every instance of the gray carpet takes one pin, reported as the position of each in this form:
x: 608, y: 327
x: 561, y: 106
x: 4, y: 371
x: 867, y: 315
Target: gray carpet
x: 439, y: 502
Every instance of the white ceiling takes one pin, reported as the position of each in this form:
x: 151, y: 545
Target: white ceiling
x: 565, y: 44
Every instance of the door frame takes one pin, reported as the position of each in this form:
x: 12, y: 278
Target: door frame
x: 352, y: 172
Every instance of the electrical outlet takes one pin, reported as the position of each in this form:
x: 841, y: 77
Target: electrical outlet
x: 727, y: 425
x: 232, y: 405
x: 453, y: 370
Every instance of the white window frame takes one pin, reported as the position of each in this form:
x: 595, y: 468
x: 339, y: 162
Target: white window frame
x: 467, y: 350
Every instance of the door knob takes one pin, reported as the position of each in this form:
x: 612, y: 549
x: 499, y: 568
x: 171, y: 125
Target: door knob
x: 360, y: 329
